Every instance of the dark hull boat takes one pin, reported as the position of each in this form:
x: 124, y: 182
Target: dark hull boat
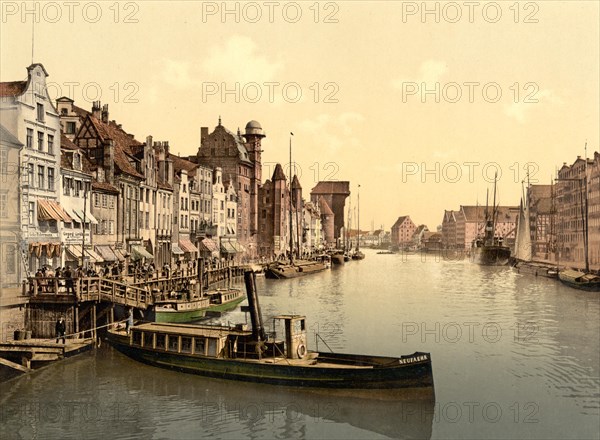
x: 338, y: 257
x: 490, y: 255
x: 237, y: 353
x: 580, y: 280
x: 280, y: 270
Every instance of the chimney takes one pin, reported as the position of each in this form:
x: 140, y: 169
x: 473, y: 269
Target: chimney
x: 104, y: 113
x: 96, y: 109
x: 109, y: 161
x: 203, y: 134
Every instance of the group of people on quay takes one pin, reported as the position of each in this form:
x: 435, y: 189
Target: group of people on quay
x: 63, y: 279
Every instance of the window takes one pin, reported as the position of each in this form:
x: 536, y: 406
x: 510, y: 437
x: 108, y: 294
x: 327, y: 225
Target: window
x: 111, y: 227
x: 104, y: 201
x: 40, y: 177
x: 111, y: 202
x: 31, y: 213
x: 70, y: 127
x: 51, y: 178
x: 4, y: 161
x: 51, y: 145
x: 96, y: 200
x: 29, y: 138
x: 147, y: 196
x: 78, y: 188
x: 30, y: 174
x: 40, y: 112
x: 147, y: 220
x: 3, y: 205
x: 11, y: 253
x: 40, y: 141
x: 76, y: 161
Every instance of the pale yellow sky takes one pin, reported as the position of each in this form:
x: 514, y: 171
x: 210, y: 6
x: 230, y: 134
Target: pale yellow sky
x: 363, y: 70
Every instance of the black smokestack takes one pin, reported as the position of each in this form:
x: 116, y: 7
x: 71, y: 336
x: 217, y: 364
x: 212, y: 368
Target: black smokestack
x: 258, y: 330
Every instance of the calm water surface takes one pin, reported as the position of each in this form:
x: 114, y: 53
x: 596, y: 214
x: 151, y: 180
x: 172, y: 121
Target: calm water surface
x: 514, y: 356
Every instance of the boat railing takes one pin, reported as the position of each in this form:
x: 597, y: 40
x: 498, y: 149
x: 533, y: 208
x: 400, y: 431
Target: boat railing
x: 317, y: 337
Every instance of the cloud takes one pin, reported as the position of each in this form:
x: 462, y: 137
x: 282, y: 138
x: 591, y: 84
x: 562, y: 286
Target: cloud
x: 238, y: 59
x: 429, y: 72
x: 521, y: 109
x: 333, y: 132
x: 177, y: 73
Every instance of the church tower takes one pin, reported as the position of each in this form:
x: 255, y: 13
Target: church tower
x: 254, y: 134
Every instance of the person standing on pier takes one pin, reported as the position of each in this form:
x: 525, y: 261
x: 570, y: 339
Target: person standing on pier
x: 69, y: 280
x: 129, y: 322
x: 61, y: 327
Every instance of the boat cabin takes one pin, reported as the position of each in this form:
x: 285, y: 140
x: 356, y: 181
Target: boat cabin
x: 223, y: 342
x: 295, y: 335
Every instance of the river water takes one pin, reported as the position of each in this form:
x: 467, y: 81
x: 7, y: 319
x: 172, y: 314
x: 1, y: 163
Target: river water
x: 514, y: 357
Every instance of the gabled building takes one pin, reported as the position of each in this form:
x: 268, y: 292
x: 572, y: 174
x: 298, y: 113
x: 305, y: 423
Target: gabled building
x: 403, y: 231
x: 28, y: 113
x: 76, y: 198
x: 111, y: 151
x: 578, y: 185
x: 239, y: 157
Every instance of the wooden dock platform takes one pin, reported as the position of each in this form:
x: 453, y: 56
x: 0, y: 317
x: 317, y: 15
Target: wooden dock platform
x: 25, y: 355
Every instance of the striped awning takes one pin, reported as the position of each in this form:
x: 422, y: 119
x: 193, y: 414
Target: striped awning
x: 138, y: 252
x: 228, y: 248
x: 187, y: 245
x: 89, y: 218
x: 75, y: 252
x: 51, y: 210
x: 208, y: 245
x: 120, y: 253
x: 176, y: 249
x: 107, y: 253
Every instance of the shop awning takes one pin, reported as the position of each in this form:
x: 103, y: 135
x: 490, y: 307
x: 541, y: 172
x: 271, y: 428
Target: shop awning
x: 187, y: 245
x: 120, y: 253
x: 227, y: 248
x: 176, y: 249
x: 51, y: 210
x: 208, y: 245
x: 94, y: 257
x: 138, y: 252
x: 89, y: 218
x: 107, y: 253
x: 74, y: 252
x: 71, y: 254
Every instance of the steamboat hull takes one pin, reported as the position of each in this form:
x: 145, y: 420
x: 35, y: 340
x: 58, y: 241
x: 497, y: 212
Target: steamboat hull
x: 491, y: 255
x: 354, y: 375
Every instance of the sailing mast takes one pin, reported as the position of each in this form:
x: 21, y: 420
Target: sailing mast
x: 290, y: 214
x: 358, y: 236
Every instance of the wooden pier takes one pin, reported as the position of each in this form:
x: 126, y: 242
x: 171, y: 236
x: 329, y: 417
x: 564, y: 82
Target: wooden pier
x: 91, y: 303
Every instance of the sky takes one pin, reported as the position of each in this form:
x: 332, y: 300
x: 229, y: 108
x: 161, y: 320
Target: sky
x: 420, y: 104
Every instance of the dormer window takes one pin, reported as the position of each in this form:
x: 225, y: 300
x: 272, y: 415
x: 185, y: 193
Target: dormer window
x: 76, y: 161
x: 63, y: 111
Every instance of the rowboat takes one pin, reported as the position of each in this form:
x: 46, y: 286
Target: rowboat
x: 239, y: 353
x: 580, y: 280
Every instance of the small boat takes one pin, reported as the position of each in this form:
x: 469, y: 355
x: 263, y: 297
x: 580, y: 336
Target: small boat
x: 358, y: 255
x: 295, y: 269
x: 242, y: 354
x: 180, y: 309
x: 337, y: 257
x: 222, y: 300
x: 385, y: 253
x: 580, y: 280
